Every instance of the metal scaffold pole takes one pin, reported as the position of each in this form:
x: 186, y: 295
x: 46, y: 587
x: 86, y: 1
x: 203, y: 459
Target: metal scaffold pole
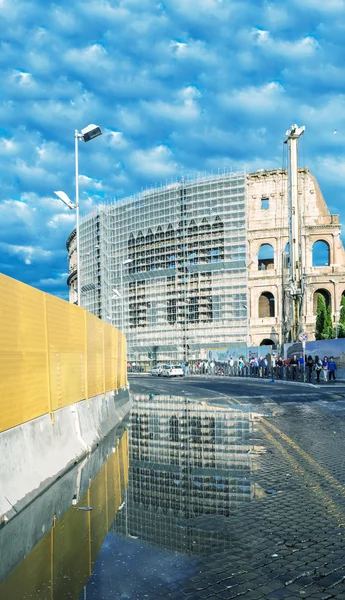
x: 294, y: 290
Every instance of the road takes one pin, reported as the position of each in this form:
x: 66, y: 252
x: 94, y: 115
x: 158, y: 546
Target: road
x: 236, y: 390
x: 290, y: 543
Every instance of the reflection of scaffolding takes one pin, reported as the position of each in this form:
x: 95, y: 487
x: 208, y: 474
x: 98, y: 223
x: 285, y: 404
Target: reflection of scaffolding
x: 187, y: 460
x: 176, y: 258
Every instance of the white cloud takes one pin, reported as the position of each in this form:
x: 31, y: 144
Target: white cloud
x: 154, y: 162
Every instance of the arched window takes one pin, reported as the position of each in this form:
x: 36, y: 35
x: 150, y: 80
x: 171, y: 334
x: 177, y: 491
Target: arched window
x: 266, y: 257
x: 268, y: 342
x: 149, y: 237
x: 131, y: 241
x: 321, y: 292
x: 193, y: 228
x: 266, y: 305
x: 205, y: 226
x: 140, y: 239
x: 321, y: 254
x: 218, y: 225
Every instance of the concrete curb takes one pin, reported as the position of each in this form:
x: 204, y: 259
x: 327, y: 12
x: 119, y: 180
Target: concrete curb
x: 35, y: 453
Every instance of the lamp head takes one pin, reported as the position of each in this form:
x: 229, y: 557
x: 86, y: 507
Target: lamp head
x: 90, y: 132
x: 65, y: 199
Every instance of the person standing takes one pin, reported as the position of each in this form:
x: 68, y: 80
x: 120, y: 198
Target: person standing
x: 325, y: 368
x: 310, y: 364
x: 294, y: 366
x: 280, y: 367
x: 231, y: 366
x: 318, y: 368
x: 332, y: 367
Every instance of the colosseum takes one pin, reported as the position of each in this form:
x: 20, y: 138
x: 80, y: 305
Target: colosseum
x: 204, y: 263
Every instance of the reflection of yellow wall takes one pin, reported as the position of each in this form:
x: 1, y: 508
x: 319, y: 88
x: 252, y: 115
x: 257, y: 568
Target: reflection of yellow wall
x: 52, y: 354
x: 61, y: 563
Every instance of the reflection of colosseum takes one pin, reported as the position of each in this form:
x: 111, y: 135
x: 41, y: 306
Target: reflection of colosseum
x: 186, y: 460
x: 203, y: 263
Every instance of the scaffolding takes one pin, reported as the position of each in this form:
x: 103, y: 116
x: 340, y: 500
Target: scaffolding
x: 169, y: 267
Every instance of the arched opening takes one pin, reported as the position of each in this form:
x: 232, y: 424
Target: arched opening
x: 327, y: 296
x: 268, y: 342
x: 266, y: 305
x: 266, y: 257
x: 205, y: 226
x: 169, y: 234
x: 131, y: 241
x: 321, y: 254
x: 140, y: 239
x: 193, y: 228
x: 149, y: 237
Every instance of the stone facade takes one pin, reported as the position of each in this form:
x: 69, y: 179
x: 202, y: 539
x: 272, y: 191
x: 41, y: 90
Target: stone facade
x: 268, y: 221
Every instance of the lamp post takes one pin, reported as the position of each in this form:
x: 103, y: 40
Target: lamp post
x: 87, y: 134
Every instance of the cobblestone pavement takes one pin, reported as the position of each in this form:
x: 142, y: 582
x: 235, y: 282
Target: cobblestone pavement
x: 289, y: 541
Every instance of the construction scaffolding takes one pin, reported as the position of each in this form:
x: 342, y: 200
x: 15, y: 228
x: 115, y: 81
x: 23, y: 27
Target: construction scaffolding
x: 169, y: 267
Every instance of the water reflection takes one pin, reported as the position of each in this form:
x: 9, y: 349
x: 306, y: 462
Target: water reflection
x: 58, y: 538
x: 189, y: 469
x: 188, y: 461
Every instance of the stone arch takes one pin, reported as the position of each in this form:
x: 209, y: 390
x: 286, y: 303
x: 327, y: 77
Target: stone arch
x: 321, y: 254
x: 327, y: 296
x: 267, y: 342
x: 266, y: 305
x: 265, y: 257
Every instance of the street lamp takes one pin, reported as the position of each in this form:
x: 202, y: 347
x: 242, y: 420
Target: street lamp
x: 87, y: 134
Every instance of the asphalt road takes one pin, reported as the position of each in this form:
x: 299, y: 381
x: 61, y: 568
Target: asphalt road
x: 236, y: 390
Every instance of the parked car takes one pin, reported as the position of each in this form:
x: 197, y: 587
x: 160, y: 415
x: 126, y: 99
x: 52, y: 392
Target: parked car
x: 172, y: 371
x: 156, y: 370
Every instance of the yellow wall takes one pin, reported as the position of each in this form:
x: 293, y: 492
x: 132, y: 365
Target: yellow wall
x: 52, y: 354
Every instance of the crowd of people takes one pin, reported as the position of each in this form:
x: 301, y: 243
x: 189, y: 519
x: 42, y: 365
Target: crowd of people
x: 296, y: 368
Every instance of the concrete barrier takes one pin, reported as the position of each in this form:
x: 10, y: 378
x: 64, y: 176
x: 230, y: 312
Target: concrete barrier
x: 33, y: 455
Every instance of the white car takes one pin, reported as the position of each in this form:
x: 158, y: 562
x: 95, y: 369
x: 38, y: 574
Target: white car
x: 172, y: 371
x: 156, y: 371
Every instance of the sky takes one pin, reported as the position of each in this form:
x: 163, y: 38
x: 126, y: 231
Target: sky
x: 178, y: 87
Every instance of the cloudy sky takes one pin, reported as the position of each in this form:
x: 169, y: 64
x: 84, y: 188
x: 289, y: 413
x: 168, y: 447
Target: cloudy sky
x: 177, y: 86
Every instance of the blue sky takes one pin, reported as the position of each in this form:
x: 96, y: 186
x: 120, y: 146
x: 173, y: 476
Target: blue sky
x: 177, y: 87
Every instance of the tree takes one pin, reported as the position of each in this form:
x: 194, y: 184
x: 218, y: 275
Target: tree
x: 324, y: 326
x: 341, y: 324
x: 321, y: 316
x: 328, y: 330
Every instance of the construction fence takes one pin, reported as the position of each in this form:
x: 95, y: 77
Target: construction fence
x: 52, y: 354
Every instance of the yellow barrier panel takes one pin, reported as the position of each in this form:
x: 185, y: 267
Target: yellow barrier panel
x: 65, y: 332
x: 23, y: 354
x: 52, y: 354
x: 95, y: 358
